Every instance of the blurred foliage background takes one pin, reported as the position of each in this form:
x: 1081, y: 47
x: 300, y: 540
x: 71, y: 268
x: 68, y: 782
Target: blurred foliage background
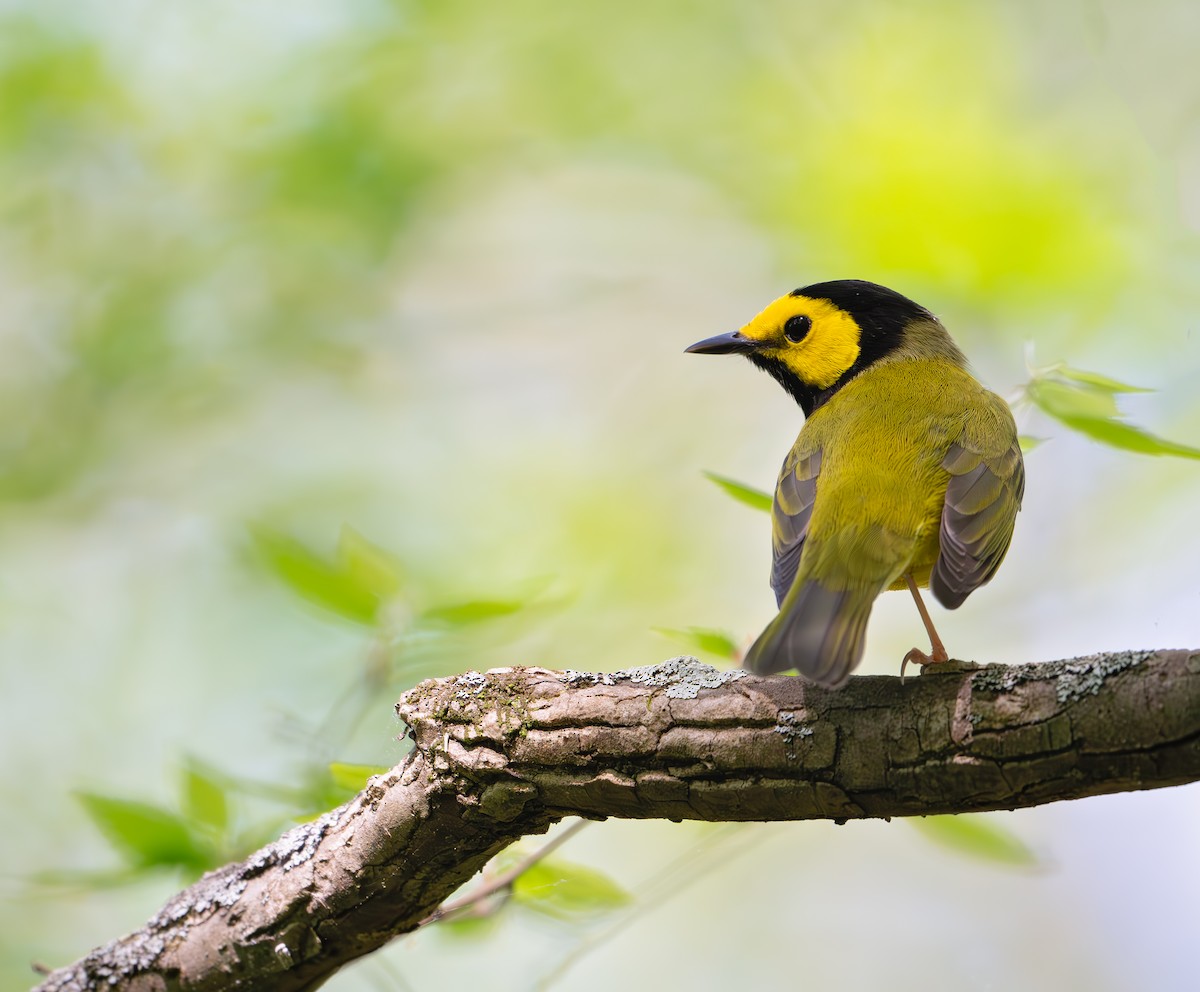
x: 340, y: 347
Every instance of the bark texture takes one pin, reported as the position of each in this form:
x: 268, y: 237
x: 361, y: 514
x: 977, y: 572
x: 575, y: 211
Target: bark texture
x: 505, y: 754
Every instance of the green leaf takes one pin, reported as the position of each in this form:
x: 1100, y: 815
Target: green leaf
x: 703, y: 639
x: 1097, y: 381
x: 1118, y: 434
x: 1028, y: 442
x: 204, y: 798
x: 473, y: 611
x: 1087, y: 403
x: 529, y: 593
x: 976, y: 836
x: 468, y: 927
x: 372, y: 567
x: 1062, y: 400
x: 332, y: 587
x: 353, y: 778
x: 146, y: 836
x: 752, y: 497
x: 565, y: 890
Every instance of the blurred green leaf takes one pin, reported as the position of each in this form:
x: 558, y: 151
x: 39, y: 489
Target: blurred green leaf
x: 1064, y: 400
x: 528, y: 593
x: 1118, y: 434
x: 353, y: 778
x: 468, y: 927
x: 204, y: 798
x: 146, y: 836
x: 565, y: 890
x: 1087, y: 403
x: 976, y: 836
x: 1097, y: 381
x: 331, y: 586
x: 372, y: 567
x: 473, y: 611
x: 704, y: 639
x: 1028, y: 442
x: 755, y: 498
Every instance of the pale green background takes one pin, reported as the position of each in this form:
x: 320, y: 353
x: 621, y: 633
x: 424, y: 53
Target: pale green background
x: 427, y: 269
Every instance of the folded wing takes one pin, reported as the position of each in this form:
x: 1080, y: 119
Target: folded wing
x: 790, y: 517
x: 987, y: 482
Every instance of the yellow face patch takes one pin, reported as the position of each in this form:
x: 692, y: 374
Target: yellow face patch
x: 824, y: 354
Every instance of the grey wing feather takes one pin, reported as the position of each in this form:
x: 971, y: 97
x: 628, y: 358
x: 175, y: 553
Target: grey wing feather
x: 982, y: 500
x: 790, y: 515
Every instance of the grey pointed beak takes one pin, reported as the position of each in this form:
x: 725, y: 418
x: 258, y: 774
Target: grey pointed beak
x: 732, y: 343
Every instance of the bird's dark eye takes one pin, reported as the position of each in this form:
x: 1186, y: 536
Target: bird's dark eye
x: 796, y: 327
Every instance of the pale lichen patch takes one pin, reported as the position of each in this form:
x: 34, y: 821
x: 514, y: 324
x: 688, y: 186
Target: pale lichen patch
x: 682, y: 676
x: 469, y: 685
x: 1074, y: 678
x: 1084, y: 676
x: 791, y: 726
x: 296, y: 846
x: 119, y: 960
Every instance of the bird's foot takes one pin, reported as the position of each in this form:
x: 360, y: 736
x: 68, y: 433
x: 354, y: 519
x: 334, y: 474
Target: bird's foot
x: 918, y: 657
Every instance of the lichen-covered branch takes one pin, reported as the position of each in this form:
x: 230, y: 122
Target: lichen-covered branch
x: 507, y: 753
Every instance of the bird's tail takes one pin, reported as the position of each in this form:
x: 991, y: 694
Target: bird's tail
x: 819, y: 631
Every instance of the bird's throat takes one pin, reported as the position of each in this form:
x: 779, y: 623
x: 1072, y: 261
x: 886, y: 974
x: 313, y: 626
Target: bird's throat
x: 811, y: 398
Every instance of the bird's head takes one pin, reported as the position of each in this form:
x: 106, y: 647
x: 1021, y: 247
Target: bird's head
x: 817, y: 338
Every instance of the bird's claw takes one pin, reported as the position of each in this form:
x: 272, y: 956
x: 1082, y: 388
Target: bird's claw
x: 918, y: 657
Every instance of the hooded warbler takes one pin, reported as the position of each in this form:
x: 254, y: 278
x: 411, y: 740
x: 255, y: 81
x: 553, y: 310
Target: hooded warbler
x: 906, y: 473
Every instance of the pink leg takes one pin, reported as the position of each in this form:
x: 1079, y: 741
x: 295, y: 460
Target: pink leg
x: 916, y: 656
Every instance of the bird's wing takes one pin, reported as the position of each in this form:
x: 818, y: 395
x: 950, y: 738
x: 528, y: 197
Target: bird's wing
x: 987, y: 481
x: 790, y: 514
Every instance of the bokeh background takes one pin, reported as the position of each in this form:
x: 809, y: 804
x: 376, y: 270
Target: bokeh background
x: 340, y: 346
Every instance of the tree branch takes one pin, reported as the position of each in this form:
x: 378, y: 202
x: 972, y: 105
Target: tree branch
x: 506, y: 754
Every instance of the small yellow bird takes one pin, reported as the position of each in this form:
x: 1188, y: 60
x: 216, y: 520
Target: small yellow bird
x: 907, y: 472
